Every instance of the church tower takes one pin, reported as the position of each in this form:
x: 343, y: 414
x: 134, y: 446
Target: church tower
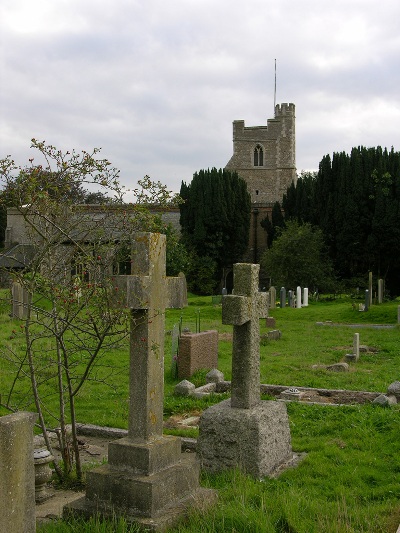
x: 265, y: 157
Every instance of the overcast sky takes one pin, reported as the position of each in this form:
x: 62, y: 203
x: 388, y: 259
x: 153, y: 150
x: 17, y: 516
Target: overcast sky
x: 157, y: 83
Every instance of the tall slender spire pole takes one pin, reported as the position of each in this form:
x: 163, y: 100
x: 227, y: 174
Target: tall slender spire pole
x: 275, y: 89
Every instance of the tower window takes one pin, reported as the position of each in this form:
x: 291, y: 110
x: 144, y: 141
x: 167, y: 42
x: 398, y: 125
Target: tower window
x: 258, y: 156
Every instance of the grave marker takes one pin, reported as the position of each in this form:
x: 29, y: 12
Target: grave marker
x: 283, y: 297
x: 147, y: 479
x: 244, y: 431
x: 243, y: 310
x: 298, y: 297
x: 17, y: 475
x: 272, y: 298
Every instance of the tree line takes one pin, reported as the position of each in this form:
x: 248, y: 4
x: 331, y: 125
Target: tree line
x: 354, y: 200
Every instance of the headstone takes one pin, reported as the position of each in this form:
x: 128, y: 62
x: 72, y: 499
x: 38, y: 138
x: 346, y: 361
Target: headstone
x: 224, y: 291
x: 17, y: 475
x: 367, y: 304
x: 283, y: 297
x: 298, y: 297
x: 305, y: 297
x: 380, y: 291
x: 274, y: 335
x: 290, y: 298
x: 367, y: 300
x: 270, y: 322
x: 272, y: 297
x: 20, y: 300
x: 356, y: 345
x: 244, y: 431
x: 197, y: 351
x: 147, y: 479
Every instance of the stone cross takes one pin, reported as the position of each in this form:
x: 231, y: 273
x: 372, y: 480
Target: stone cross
x: 147, y: 478
x: 146, y: 291
x: 243, y: 310
x: 145, y: 296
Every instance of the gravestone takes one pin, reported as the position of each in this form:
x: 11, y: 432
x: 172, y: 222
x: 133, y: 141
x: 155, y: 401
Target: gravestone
x: 283, y: 297
x: 367, y: 304
x: 380, y: 291
x: 147, y: 479
x: 356, y: 346
x: 356, y: 349
x: 290, y: 298
x: 244, y: 431
x: 367, y: 300
x: 197, y: 351
x: 272, y: 297
x: 305, y: 297
x: 17, y: 475
x: 298, y: 297
x: 19, y: 301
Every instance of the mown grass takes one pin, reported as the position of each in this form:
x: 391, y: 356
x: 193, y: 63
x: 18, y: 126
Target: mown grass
x: 349, y: 481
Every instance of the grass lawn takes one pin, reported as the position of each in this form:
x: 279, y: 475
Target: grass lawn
x: 350, y: 478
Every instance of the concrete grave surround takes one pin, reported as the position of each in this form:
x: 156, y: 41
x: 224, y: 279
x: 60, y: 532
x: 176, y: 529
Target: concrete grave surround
x: 244, y: 431
x: 147, y: 479
x: 17, y: 474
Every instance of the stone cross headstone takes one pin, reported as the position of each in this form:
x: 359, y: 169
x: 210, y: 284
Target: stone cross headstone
x: 245, y: 432
x: 298, y: 297
x: 243, y: 310
x: 283, y: 297
x: 17, y: 475
x: 142, y: 465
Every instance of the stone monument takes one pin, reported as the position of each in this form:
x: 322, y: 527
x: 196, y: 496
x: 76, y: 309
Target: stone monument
x: 147, y: 479
x: 17, y: 474
x: 244, y: 431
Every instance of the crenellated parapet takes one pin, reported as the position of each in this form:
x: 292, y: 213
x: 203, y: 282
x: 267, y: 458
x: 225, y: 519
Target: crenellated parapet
x: 284, y: 110
x: 265, y: 156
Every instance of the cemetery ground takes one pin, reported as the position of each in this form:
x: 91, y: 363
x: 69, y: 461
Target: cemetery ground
x: 349, y: 480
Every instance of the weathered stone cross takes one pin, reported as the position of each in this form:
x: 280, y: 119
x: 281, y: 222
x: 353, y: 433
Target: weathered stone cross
x: 243, y: 310
x: 146, y: 296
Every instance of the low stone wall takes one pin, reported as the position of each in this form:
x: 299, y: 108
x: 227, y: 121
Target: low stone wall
x: 197, y: 351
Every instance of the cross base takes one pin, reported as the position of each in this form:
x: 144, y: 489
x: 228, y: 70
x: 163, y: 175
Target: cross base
x: 152, y: 484
x: 256, y: 440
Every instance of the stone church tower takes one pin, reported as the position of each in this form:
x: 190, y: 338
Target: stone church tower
x: 265, y: 157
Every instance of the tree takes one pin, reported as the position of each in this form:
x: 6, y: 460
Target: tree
x: 298, y: 257
x: 215, y: 217
x: 75, y: 313
x: 273, y: 226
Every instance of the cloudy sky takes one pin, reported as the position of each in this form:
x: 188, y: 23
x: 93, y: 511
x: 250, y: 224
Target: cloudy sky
x: 157, y: 83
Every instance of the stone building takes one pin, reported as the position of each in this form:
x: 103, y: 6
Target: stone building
x: 265, y: 157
